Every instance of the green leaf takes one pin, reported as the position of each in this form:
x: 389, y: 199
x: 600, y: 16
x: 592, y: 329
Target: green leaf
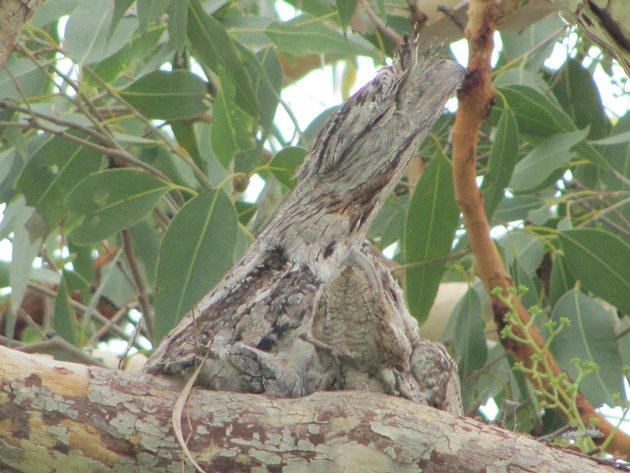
x: 214, y: 47
x: 589, y: 337
x: 52, y: 173
x: 167, y: 95
x: 561, y: 280
x: 516, y: 208
x: 601, y: 261
x: 525, y: 247
x: 23, y: 251
x: 4, y: 274
x: 146, y: 244
x: 186, y: 136
x: 307, y: 35
x: 286, y: 163
x: 469, y: 346
x: 265, y: 72
x: 28, y: 75
x: 503, y: 157
x: 576, y: 91
x: 131, y: 61
x: 232, y: 129
x: 120, y: 8
x: 521, y: 277
x: 52, y: 10
x: 150, y: 11
x: 346, y: 9
x: 64, y: 321
x: 533, y: 44
x: 539, y: 117
x: 617, y: 153
x: 544, y: 159
x: 177, y: 20
x: 195, y: 253
x: 113, y: 200
x: 432, y: 219
x: 87, y: 37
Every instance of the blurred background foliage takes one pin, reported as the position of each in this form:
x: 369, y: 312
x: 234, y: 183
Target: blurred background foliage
x: 145, y: 144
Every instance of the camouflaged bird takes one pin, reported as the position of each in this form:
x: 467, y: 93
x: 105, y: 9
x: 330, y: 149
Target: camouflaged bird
x: 310, y: 307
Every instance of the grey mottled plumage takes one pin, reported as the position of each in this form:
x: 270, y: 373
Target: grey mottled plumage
x: 309, y: 274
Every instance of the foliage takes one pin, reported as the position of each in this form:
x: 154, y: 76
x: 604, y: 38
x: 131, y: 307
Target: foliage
x: 128, y: 136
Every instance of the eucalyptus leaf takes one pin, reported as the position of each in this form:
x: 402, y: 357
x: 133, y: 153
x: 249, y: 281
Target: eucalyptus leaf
x: 21, y: 77
x: 195, y: 253
x: 150, y: 11
x: 232, y: 129
x: 113, y: 200
x: 589, y: 337
x: 168, y: 95
x: 432, y: 219
x: 469, y: 346
x: 575, y: 89
x: 503, y: 157
x: 539, y: 117
x: 544, y: 159
x: 177, y: 20
x: 285, y: 164
x: 525, y: 247
x: 561, y: 280
x: 306, y: 35
x: 53, y: 171
x: 64, y: 321
x: 215, y: 48
x: 87, y: 36
x: 23, y: 252
x: 346, y: 9
x: 601, y: 261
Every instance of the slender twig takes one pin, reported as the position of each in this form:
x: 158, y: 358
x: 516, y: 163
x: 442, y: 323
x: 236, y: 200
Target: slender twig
x: 380, y: 24
x: 452, y: 257
x: 598, y: 215
x: 143, y: 297
x: 78, y: 306
x: 94, y: 116
x: 56, y: 120
x: 560, y: 433
x: 199, y: 174
x: 120, y: 154
x: 100, y: 333
x: 56, y: 343
x: 451, y: 16
x: 29, y: 320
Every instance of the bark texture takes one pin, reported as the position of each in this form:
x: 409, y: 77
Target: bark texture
x: 57, y: 416
x: 13, y: 16
x: 254, y: 333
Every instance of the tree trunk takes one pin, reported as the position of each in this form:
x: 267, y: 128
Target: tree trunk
x: 57, y: 416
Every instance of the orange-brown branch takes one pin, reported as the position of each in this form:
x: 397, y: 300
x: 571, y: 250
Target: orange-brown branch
x: 476, y: 98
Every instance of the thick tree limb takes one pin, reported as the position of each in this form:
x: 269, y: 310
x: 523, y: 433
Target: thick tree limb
x: 476, y: 97
x: 57, y: 416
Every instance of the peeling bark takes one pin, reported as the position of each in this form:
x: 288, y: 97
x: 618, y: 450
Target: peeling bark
x: 57, y: 416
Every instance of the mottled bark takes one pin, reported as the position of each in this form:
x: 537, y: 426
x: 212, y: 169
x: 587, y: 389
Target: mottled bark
x: 57, y: 416
x: 13, y: 16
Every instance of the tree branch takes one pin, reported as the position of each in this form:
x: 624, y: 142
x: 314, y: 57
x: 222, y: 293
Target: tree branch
x: 476, y: 98
x: 59, y: 414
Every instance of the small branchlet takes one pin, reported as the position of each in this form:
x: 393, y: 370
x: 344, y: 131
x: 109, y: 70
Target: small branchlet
x: 558, y: 392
